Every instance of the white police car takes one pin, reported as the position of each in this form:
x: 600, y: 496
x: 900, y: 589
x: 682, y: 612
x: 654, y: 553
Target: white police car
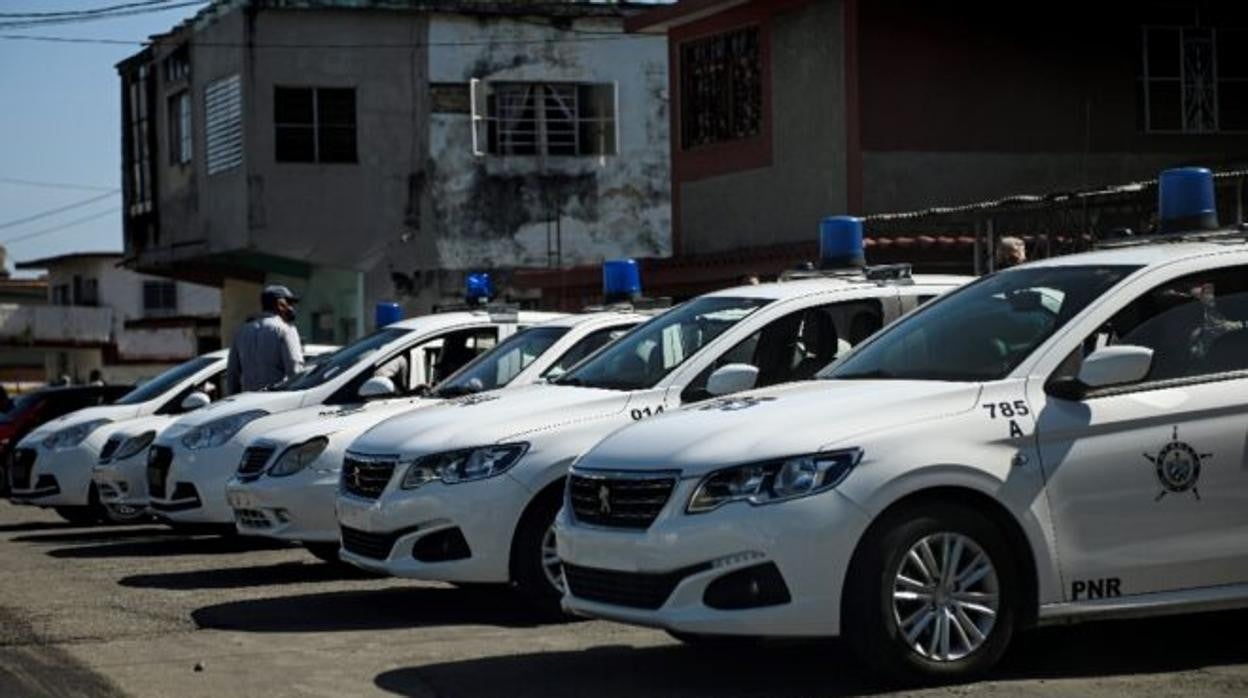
x: 287, y: 480
x: 1061, y: 441
x: 56, y: 459
x: 190, y: 462
x: 467, y: 491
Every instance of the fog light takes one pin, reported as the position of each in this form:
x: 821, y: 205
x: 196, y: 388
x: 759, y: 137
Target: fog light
x: 752, y: 587
x: 442, y: 546
x: 123, y: 487
x: 281, y: 515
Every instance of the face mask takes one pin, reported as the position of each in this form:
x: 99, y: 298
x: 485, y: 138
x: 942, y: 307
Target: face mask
x: 289, y: 315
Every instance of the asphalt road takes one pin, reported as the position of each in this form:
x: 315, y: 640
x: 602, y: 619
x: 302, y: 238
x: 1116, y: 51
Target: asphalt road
x: 142, y: 611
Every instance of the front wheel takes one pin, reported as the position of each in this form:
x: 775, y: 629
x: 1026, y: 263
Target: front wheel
x: 535, y: 565
x: 932, y: 595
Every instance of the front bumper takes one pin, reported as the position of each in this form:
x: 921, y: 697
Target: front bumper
x: 49, y: 478
x: 194, y: 483
x: 453, y: 533
x: 122, y: 484
x: 297, y: 507
x: 664, y: 576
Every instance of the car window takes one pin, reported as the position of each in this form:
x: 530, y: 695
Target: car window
x: 589, y: 344
x: 981, y: 331
x: 165, y: 382
x: 1196, y: 326
x: 497, y: 368
x: 646, y: 355
x: 342, y: 360
x: 798, y: 345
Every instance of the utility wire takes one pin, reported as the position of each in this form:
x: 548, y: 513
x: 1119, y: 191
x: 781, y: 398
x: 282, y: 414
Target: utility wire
x: 239, y: 44
x: 88, y: 11
x: 62, y: 226
x: 26, y: 24
x: 59, y: 209
x: 53, y: 185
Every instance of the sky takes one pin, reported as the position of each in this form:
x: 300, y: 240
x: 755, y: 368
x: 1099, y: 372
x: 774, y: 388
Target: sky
x: 60, y: 117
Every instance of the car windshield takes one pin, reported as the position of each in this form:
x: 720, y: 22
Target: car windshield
x: 340, y: 361
x: 982, y: 331
x: 166, y: 381
x: 497, y: 368
x: 644, y: 356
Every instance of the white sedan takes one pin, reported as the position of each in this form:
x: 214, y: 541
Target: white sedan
x: 1058, y: 442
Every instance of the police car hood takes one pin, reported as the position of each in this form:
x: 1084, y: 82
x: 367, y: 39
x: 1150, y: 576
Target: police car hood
x: 271, y: 402
x: 297, y: 426
x: 112, y: 413
x: 486, y: 418
x: 133, y: 427
x: 776, y: 422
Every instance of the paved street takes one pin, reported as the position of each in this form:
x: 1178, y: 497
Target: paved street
x: 141, y: 611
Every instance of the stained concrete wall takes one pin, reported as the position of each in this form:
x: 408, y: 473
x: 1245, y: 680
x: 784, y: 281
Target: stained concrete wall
x: 498, y: 211
x: 806, y: 181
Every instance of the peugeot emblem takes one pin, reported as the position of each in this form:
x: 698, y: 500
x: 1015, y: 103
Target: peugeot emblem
x: 604, y: 500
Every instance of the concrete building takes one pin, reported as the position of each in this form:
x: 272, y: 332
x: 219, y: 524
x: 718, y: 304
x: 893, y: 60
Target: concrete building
x: 786, y: 111
x: 366, y: 150
x: 98, y: 315
x: 20, y: 364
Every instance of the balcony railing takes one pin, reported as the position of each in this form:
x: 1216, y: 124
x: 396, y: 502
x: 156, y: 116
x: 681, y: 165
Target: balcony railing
x: 55, y: 324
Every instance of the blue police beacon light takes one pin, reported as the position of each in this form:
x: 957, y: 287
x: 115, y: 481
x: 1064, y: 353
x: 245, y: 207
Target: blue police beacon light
x: 388, y: 313
x: 478, y: 288
x: 1185, y: 200
x: 621, y: 280
x: 840, y: 243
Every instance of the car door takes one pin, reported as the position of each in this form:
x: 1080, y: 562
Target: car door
x: 1147, y: 484
x: 798, y: 344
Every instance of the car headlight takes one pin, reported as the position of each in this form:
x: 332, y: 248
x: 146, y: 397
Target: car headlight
x: 463, y: 465
x: 297, y: 458
x: 72, y: 436
x: 773, y: 481
x: 219, y: 431
x: 134, y: 445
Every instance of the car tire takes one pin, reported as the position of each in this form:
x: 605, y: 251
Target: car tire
x: 530, y: 554
x: 944, y: 628
x: 89, y: 515
x: 325, y: 552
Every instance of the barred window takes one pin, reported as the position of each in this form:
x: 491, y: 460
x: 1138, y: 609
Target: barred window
x: 180, y: 128
x: 721, y: 88
x: 1193, y: 80
x: 160, y: 297
x: 555, y: 119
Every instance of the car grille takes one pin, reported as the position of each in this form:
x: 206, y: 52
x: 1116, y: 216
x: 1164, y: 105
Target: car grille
x: 252, y: 518
x: 619, y: 502
x: 254, y: 460
x: 159, y: 459
x: 23, y: 464
x: 110, y: 447
x: 632, y: 589
x: 376, y: 546
x: 366, y: 477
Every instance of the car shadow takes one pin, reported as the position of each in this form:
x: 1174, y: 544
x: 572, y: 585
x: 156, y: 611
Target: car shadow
x: 170, y: 544
x: 295, y: 572
x: 826, y: 668
x: 40, y: 526
x: 382, y: 609
x: 95, y: 535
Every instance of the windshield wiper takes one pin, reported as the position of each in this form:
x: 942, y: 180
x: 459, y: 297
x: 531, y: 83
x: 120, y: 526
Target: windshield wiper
x: 574, y: 382
x: 877, y: 373
x: 455, y: 391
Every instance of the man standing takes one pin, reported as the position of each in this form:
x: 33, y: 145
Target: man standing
x: 266, y: 349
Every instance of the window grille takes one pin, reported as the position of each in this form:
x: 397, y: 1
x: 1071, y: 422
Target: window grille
x: 721, y: 88
x: 223, y: 124
x: 544, y: 119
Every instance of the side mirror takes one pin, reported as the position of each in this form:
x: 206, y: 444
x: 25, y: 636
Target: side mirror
x: 377, y: 386
x: 1106, y: 367
x: 195, y: 401
x: 731, y: 378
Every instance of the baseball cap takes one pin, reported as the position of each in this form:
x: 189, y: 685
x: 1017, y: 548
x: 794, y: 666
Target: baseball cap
x: 277, y: 291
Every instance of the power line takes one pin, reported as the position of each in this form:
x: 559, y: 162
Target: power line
x: 59, y: 209
x: 239, y: 44
x: 62, y: 226
x: 89, y: 11
x: 53, y: 185
x: 79, y: 19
